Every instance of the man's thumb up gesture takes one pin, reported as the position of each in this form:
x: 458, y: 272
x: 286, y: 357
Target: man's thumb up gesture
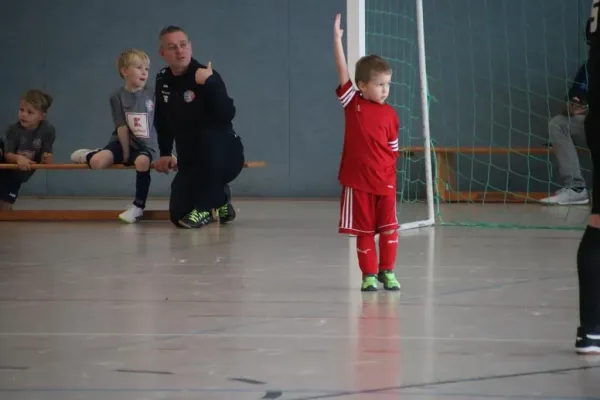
x: 202, y: 74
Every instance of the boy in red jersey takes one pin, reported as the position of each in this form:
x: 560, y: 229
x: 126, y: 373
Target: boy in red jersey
x: 368, y: 166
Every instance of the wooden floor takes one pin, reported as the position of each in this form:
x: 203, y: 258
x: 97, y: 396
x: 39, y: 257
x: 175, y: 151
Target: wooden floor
x: 269, y: 308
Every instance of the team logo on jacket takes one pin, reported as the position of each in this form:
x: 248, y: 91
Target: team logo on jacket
x: 188, y: 96
x: 150, y: 105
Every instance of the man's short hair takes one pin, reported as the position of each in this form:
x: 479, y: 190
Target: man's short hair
x: 369, y: 65
x: 169, y: 29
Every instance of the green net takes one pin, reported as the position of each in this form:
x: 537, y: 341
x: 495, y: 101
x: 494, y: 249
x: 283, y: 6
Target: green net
x: 498, y: 73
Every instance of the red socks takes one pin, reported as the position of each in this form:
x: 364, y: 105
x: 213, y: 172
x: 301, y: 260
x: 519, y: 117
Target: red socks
x: 367, y: 255
x: 388, y: 247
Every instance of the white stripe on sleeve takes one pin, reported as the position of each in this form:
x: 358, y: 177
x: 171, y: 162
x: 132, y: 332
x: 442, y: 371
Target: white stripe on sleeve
x: 346, y: 98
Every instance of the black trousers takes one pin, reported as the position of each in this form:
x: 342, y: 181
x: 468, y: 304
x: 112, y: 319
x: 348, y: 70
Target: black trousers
x: 203, y: 184
x: 592, y: 133
x: 10, y: 181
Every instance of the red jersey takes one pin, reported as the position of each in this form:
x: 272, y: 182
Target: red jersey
x: 370, y: 143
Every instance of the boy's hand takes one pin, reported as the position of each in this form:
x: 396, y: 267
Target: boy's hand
x: 338, y: 32
x: 24, y: 163
x: 202, y: 74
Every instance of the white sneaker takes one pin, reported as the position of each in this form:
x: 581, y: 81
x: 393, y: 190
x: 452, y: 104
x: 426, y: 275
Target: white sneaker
x: 567, y: 197
x: 79, y: 156
x: 131, y: 215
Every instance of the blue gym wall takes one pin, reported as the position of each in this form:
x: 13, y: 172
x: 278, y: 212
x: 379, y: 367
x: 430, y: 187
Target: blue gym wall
x: 275, y: 56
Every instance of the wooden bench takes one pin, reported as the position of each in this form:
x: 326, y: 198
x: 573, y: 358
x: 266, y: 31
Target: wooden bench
x: 85, y: 215
x: 444, y: 167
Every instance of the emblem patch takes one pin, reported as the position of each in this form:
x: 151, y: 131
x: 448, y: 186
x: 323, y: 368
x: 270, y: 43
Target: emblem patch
x: 189, y: 96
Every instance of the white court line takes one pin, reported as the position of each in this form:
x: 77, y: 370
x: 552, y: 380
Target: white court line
x: 277, y: 336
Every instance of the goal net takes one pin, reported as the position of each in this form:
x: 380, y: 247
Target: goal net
x: 497, y: 71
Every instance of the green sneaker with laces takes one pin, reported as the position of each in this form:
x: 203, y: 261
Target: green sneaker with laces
x: 388, y: 278
x: 369, y: 284
x: 226, y: 213
x: 195, y: 219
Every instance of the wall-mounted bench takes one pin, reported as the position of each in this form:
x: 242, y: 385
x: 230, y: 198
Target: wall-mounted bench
x: 444, y: 166
x: 85, y: 215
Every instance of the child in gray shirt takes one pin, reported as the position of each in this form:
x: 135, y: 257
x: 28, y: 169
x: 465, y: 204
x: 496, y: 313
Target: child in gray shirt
x: 132, y: 141
x: 27, y: 141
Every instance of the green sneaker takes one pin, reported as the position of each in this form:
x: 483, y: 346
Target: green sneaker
x: 226, y: 213
x: 388, y: 278
x: 369, y: 284
x: 195, y: 219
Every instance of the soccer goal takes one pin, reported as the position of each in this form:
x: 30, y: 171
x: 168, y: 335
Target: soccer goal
x: 357, y: 23
x: 475, y: 85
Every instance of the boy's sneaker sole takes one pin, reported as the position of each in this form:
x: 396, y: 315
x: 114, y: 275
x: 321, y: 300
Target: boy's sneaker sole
x: 586, y: 345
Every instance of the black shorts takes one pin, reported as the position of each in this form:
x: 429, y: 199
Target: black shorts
x: 592, y: 133
x: 117, y: 150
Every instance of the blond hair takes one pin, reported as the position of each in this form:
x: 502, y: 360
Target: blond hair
x: 370, y: 65
x: 41, y: 101
x: 129, y: 57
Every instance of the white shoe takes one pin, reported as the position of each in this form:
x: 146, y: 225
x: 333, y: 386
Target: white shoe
x: 131, y: 215
x: 567, y: 197
x: 79, y: 156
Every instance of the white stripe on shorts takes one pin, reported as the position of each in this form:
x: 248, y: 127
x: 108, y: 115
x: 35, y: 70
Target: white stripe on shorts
x: 347, y: 209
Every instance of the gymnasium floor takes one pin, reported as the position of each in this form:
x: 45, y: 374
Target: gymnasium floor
x: 269, y: 308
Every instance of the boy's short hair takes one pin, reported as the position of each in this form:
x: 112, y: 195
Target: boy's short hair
x: 369, y: 65
x: 41, y: 101
x: 129, y: 56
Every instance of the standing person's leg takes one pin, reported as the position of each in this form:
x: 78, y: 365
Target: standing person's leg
x: 387, y: 227
x: 564, y: 133
x: 588, y: 256
x: 357, y: 218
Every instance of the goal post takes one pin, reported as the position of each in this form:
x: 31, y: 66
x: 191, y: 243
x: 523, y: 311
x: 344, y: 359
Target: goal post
x: 356, y: 37
x: 481, y: 89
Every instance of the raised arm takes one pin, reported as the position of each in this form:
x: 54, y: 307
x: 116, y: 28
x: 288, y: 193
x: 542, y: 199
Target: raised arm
x: 338, y: 51
x: 219, y: 105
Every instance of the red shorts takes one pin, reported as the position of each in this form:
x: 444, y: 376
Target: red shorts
x: 365, y: 213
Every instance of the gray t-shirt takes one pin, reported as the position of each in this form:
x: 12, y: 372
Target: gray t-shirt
x: 31, y: 143
x: 136, y: 110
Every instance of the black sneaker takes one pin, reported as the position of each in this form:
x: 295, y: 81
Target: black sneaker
x: 586, y: 343
x: 196, y: 219
x: 226, y: 213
